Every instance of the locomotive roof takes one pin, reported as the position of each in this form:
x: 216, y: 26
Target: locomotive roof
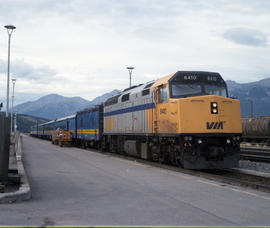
x: 163, y: 80
x: 183, y: 76
x: 191, y: 76
x: 131, y: 90
x: 135, y: 89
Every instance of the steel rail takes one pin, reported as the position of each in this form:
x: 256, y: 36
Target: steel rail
x: 255, y: 154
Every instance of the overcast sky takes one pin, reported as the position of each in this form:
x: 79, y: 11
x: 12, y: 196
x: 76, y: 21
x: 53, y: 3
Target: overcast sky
x: 82, y: 47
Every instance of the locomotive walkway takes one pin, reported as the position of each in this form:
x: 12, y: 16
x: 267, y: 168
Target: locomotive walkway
x: 72, y: 186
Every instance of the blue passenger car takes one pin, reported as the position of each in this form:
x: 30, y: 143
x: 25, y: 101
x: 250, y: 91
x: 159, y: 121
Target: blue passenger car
x: 47, y: 129
x: 64, y: 123
x: 71, y: 125
x: 34, y: 130
x: 88, y: 127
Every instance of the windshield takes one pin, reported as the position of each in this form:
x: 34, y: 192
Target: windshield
x: 180, y: 89
x: 185, y: 89
x: 215, y: 90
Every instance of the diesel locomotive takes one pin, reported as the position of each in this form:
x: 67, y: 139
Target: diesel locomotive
x: 185, y: 118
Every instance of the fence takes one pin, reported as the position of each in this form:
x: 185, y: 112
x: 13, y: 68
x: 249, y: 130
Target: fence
x: 4, y: 147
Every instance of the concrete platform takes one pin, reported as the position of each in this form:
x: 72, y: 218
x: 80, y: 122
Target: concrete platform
x: 16, y: 174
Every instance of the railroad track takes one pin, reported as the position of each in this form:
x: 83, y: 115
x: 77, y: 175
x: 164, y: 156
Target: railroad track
x: 236, y: 177
x: 259, y: 154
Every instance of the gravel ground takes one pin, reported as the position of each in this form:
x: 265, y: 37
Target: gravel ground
x: 257, y: 166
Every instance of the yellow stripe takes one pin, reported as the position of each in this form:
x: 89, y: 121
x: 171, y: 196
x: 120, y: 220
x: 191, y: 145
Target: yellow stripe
x: 50, y: 131
x: 47, y: 132
x: 88, y: 131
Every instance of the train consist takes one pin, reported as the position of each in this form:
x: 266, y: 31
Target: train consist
x: 185, y: 118
x: 256, y: 129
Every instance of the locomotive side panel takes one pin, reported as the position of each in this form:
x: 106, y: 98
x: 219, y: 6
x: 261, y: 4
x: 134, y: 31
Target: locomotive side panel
x: 142, y: 104
x: 132, y: 114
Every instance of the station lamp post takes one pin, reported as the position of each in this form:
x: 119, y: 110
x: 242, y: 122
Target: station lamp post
x: 13, y: 81
x: 10, y: 29
x: 130, y: 68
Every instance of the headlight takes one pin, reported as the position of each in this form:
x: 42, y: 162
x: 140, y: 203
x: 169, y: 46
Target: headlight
x: 199, y: 141
x: 214, y: 107
x: 228, y: 141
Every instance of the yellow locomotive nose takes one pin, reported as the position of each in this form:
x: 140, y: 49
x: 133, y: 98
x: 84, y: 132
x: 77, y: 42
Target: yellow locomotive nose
x: 209, y: 114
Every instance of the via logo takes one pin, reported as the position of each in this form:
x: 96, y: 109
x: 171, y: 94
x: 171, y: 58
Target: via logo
x: 214, y: 125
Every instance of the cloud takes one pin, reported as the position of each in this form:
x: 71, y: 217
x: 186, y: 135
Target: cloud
x: 245, y: 36
x: 82, y: 47
x: 22, y: 70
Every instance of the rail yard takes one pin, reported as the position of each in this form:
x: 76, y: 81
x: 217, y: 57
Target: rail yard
x: 160, y: 121
x: 74, y: 186
x: 155, y: 122
x: 135, y: 113
x: 151, y: 134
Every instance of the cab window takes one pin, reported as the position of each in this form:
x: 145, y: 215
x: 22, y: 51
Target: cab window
x: 162, y: 94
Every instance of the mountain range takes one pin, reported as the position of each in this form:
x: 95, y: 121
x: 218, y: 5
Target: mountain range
x: 54, y: 106
x: 256, y: 94
x: 25, y: 122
